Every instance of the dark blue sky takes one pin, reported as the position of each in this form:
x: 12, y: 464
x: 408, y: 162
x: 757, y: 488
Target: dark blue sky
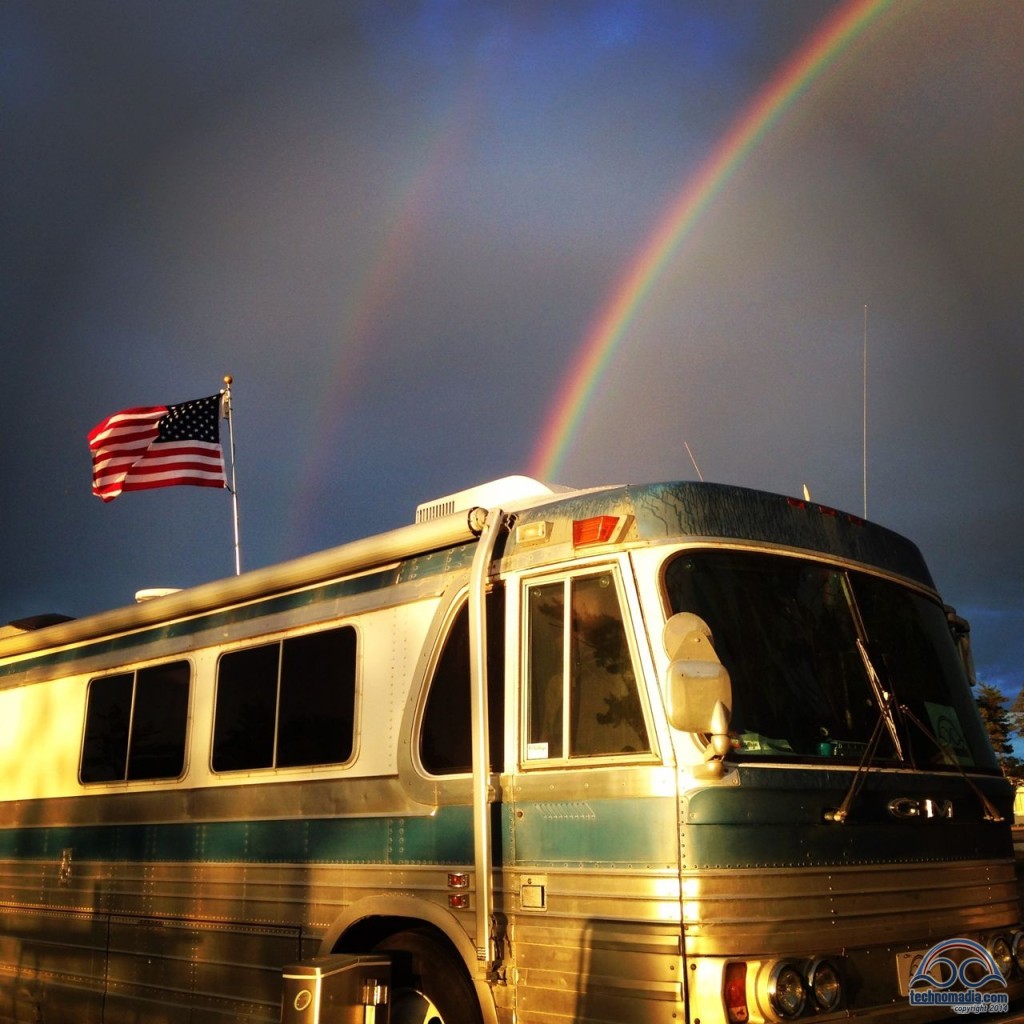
x: 395, y: 223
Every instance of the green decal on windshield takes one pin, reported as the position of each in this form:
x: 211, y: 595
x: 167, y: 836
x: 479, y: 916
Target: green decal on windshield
x: 948, y: 731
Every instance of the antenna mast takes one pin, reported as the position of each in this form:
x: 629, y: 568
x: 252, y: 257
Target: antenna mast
x: 700, y: 475
x: 864, y: 414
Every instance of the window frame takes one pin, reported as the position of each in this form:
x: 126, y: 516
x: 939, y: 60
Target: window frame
x: 278, y: 642
x: 630, y: 617
x: 496, y: 600
x: 847, y: 568
x: 186, y: 723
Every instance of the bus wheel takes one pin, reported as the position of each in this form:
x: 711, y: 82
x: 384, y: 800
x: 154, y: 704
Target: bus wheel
x: 428, y: 984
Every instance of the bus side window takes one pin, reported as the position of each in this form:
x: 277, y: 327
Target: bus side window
x: 287, y: 704
x: 135, y: 725
x: 243, y: 723
x: 582, y: 689
x: 316, y: 719
x: 446, y: 738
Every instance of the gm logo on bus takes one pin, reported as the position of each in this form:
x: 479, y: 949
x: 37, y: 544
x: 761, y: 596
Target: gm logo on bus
x: 923, y: 807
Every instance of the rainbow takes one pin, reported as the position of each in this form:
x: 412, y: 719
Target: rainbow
x: 615, y: 316
x: 370, y: 296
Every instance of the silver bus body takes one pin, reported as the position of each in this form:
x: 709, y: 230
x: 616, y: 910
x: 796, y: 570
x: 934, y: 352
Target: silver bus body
x: 631, y: 754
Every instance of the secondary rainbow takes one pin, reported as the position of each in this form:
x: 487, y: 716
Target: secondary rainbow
x: 430, y: 161
x: 610, y: 325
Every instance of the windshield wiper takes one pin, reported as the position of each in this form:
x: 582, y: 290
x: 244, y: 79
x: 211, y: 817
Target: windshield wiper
x: 883, y: 697
x: 886, y: 722
x: 887, y: 719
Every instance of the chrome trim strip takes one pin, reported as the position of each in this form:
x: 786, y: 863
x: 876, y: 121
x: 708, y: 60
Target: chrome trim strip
x: 482, y: 796
x: 328, y: 796
x: 356, y: 556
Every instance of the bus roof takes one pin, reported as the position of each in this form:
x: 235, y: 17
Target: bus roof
x: 721, y: 512
x: 657, y: 512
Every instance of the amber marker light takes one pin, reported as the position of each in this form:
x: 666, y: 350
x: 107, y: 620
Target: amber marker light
x: 596, y: 530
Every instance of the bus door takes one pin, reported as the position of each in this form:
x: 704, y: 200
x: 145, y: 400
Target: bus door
x: 592, y: 842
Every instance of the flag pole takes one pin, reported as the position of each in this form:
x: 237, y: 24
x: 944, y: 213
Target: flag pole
x: 228, y: 379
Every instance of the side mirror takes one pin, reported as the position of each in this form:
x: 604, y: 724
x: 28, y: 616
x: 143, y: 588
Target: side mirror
x: 960, y: 629
x: 697, y: 686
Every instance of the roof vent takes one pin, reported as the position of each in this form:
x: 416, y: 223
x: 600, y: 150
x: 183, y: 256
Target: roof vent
x: 509, y: 489
x: 32, y: 622
x: 153, y: 592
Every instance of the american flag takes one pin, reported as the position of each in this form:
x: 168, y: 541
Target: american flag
x: 158, y: 446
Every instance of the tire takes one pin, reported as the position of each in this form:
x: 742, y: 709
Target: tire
x: 429, y: 985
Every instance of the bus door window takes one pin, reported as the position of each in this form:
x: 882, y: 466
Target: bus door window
x: 582, y: 697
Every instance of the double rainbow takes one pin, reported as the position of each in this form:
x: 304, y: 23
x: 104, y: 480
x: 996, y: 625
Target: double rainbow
x: 615, y: 316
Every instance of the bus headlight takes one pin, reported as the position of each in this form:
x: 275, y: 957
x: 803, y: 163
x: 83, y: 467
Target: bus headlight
x: 999, y: 947
x: 826, y: 984
x: 787, y: 991
x: 1017, y: 948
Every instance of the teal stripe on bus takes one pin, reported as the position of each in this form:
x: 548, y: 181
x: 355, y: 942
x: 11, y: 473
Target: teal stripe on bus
x: 637, y: 832
x: 444, y: 838
x: 627, y: 832
x: 778, y: 818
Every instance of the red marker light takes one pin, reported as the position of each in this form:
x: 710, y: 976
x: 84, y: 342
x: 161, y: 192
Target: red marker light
x: 734, y: 993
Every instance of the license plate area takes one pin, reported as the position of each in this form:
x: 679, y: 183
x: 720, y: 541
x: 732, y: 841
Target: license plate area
x: 906, y: 966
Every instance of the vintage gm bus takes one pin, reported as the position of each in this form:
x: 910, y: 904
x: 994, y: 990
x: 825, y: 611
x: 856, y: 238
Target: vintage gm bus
x: 670, y: 753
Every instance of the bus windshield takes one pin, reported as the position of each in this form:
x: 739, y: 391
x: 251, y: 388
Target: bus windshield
x: 814, y: 651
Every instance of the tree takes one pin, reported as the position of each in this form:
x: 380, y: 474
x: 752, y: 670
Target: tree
x: 1017, y: 713
x: 1001, y: 722
x: 995, y: 713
